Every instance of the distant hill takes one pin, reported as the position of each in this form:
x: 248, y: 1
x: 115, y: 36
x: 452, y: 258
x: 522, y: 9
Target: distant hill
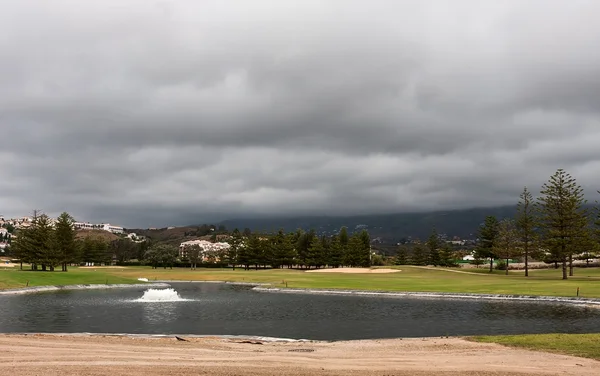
x: 390, y: 227
x: 107, y: 236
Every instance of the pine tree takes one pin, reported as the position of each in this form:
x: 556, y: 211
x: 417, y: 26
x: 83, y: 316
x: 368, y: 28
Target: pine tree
x: 419, y: 256
x: 433, y: 245
x: 335, y: 254
x: 45, y: 252
x: 315, y: 253
x: 64, y: 240
x: 525, y: 223
x: 507, y: 242
x: 447, y: 256
x: 235, y: 243
x: 343, y: 240
x: 353, y: 252
x: 401, y: 256
x: 488, y: 233
x: 280, y: 249
x: 563, y: 220
x: 364, y: 256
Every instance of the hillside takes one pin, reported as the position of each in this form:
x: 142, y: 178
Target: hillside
x: 390, y: 227
x: 107, y: 236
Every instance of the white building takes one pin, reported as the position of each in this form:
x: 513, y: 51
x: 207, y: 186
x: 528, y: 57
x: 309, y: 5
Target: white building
x: 209, y: 250
x: 113, y: 229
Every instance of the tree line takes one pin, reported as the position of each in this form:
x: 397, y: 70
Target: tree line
x: 556, y: 227
x: 47, y: 244
x: 304, y: 249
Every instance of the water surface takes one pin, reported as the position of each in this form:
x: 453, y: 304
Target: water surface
x: 220, y: 309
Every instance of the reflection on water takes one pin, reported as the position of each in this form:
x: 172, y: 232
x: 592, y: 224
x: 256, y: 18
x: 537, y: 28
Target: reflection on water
x: 216, y: 309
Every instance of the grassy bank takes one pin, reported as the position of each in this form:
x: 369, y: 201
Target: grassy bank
x: 12, y: 278
x: 583, y: 345
x: 541, y: 282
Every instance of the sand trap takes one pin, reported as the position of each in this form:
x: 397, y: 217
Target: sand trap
x: 354, y: 270
x: 102, y: 267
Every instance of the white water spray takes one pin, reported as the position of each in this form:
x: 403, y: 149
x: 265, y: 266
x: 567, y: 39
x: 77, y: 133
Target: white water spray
x: 161, y: 295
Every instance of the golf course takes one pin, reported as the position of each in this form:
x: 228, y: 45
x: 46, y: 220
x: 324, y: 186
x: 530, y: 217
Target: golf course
x: 544, y: 282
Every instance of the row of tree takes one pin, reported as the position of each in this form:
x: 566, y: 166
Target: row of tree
x: 434, y: 251
x: 301, y: 249
x: 46, y: 244
x: 556, y: 227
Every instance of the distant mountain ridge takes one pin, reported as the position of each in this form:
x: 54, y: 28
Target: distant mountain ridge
x: 391, y: 227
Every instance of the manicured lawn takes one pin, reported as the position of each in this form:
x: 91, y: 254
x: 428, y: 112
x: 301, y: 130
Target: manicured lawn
x: 14, y: 278
x: 409, y: 279
x: 583, y: 345
x: 541, y: 282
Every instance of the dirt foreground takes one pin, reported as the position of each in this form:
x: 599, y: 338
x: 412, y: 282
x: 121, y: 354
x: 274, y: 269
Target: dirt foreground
x: 28, y: 355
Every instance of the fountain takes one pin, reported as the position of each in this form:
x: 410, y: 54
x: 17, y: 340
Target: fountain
x: 161, y: 295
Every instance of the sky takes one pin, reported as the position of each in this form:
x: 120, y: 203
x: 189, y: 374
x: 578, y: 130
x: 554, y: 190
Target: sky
x: 148, y: 113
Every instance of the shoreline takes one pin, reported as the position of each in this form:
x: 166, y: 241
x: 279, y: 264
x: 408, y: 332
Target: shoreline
x: 70, y: 355
x: 438, y: 295
x: 35, y: 289
x: 265, y: 288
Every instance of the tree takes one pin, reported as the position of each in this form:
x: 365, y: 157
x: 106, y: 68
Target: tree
x: 94, y: 249
x: 433, y: 246
x: 419, y: 256
x: 488, y: 234
x: 161, y: 254
x: 507, y: 242
x: 447, y: 256
x: 123, y: 249
x: 525, y: 223
x: 316, y: 252
x: 335, y: 252
x: 64, y: 240
x: 563, y: 220
x: 235, y: 243
x: 364, y: 255
x: 401, y: 255
x: 44, y: 250
x: 194, y: 253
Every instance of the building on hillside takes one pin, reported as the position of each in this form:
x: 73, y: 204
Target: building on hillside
x: 136, y: 238
x: 112, y: 228
x: 209, y: 250
x: 87, y: 226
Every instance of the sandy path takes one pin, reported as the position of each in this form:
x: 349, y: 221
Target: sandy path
x: 354, y: 270
x: 119, y: 356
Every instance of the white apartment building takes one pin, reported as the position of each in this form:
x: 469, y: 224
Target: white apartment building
x: 209, y: 250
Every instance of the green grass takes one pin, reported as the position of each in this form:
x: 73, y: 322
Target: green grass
x: 10, y: 278
x: 582, y: 345
x: 541, y: 282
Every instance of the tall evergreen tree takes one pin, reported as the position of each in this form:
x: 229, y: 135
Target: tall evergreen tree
x: 447, y: 255
x: 235, y: 243
x: 401, y: 255
x: 507, y: 243
x: 344, y: 240
x: 336, y: 256
x: 364, y: 258
x: 488, y: 233
x: 64, y: 240
x: 433, y: 246
x: 419, y: 256
x: 563, y: 219
x: 525, y: 223
x: 316, y: 253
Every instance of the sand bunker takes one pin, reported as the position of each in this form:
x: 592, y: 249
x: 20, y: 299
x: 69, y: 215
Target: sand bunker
x: 102, y: 267
x: 354, y: 270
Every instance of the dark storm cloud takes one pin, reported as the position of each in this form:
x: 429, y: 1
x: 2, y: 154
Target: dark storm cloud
x: 148, y: 113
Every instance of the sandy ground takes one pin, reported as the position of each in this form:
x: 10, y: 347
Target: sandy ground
x: 30, y: 355
x: 102, y: 267
x: 354, y: 270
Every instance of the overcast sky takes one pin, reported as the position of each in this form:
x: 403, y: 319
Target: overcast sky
x: 151, y: 113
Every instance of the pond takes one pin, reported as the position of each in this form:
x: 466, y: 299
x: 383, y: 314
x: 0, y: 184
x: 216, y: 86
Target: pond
x: 222, y: 309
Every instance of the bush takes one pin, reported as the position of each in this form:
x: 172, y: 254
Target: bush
x: 500, y: 265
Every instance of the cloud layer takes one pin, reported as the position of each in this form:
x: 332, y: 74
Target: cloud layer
x: 148, y: 113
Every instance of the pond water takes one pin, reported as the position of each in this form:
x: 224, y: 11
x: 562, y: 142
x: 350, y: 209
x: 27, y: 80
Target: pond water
x: 221, y: 309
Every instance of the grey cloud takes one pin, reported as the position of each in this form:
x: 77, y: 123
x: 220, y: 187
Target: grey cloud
x: 149, y: 113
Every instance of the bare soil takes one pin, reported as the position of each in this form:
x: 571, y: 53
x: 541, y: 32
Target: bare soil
x: 354, y: 270
x: 28, y: 355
